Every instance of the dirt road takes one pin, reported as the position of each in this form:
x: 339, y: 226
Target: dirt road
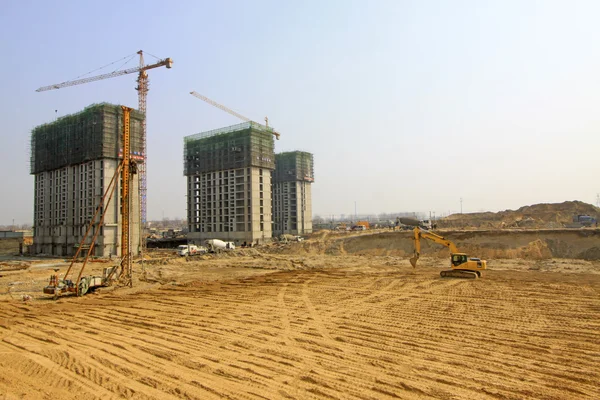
x: 325, y: 328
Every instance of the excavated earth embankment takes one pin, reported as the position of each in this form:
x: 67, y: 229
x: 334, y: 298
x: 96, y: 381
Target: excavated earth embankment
x: 493, y: 244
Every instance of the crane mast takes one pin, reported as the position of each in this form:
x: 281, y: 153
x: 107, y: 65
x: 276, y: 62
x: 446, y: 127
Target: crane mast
x: 142, y: 89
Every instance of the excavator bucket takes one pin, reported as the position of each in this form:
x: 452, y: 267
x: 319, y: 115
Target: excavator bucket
x: 413, y: 261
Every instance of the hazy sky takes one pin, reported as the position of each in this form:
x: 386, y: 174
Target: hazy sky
x: 406, y: 105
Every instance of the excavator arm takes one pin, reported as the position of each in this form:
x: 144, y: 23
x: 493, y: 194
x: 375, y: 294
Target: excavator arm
x: 460, y: 264
x: 421, y: 233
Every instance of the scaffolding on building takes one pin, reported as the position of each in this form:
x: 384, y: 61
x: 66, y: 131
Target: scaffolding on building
x: 91, y: 134
x: 294, y: 166
x: 248, y: 144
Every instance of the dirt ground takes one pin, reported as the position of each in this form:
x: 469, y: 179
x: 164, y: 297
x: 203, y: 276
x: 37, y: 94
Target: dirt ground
x: 305, y: 325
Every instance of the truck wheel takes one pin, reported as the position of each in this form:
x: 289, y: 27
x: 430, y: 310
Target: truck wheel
x: 83, y: 287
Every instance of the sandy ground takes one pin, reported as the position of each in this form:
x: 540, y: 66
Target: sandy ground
x: 315, y: 326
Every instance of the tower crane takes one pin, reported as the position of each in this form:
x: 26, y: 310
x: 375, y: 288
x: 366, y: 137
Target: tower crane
x: 142, y: 89
x: 230, y: 111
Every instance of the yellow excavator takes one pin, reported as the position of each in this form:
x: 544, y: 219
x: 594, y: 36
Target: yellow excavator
x: 462, y: 266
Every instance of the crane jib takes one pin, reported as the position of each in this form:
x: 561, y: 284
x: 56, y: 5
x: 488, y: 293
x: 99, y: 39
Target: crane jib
x: 167, y: 62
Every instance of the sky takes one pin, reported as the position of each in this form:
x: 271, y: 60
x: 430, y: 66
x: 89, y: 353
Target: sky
x: 407, y: 106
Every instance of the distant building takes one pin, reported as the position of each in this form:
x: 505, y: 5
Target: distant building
x: 228, y: 174
x: 73, y: 160
x: 14, y: 242
x: 292, y: 194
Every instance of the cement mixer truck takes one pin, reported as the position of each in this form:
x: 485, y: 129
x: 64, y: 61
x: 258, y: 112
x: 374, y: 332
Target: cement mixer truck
x: 216, y: 245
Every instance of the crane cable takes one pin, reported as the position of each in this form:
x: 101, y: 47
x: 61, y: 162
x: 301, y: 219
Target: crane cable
x: 153, y: 55
x: 107, y: 65
x: 121, y: 66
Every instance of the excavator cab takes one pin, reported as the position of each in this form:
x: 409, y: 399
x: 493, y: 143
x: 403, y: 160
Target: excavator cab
x: 458, y: 259
x: 464, y: 267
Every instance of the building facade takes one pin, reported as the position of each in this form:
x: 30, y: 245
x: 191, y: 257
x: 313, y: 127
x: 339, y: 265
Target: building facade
x: 292, y: 193
x: 228, y: 174
x: 73, y: 161
x: 15, y: 242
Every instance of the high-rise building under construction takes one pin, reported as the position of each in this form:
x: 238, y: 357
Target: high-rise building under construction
x: 228, y: 174
x: 73, y: 160
x: 292, y: 194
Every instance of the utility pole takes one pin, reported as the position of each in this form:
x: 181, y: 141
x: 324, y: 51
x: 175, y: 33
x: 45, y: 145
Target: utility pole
x: 461, y: 205
x: 355, y: 215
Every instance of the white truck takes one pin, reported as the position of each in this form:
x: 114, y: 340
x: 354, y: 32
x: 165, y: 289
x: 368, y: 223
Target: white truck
x: 286, y: 238
x: 190, y: 250
x: 426, y: 224
x: 215, y: 245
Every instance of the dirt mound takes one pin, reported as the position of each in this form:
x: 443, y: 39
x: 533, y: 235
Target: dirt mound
x: 13, y: 265
x: 590, y: 254
x: 553, y: 215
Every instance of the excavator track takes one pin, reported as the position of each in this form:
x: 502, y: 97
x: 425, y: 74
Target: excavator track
x: 460, y: 273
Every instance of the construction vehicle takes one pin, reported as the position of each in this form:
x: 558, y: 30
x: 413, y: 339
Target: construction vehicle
x: 365, y: 224
x: 190, y: 250
x: 287, y: 238
x: 426, y: 224
x: 341, y: 227
x: 217, y: 245
x: 82, y: 284
x: 584, y: 220
x: 462, y: 266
